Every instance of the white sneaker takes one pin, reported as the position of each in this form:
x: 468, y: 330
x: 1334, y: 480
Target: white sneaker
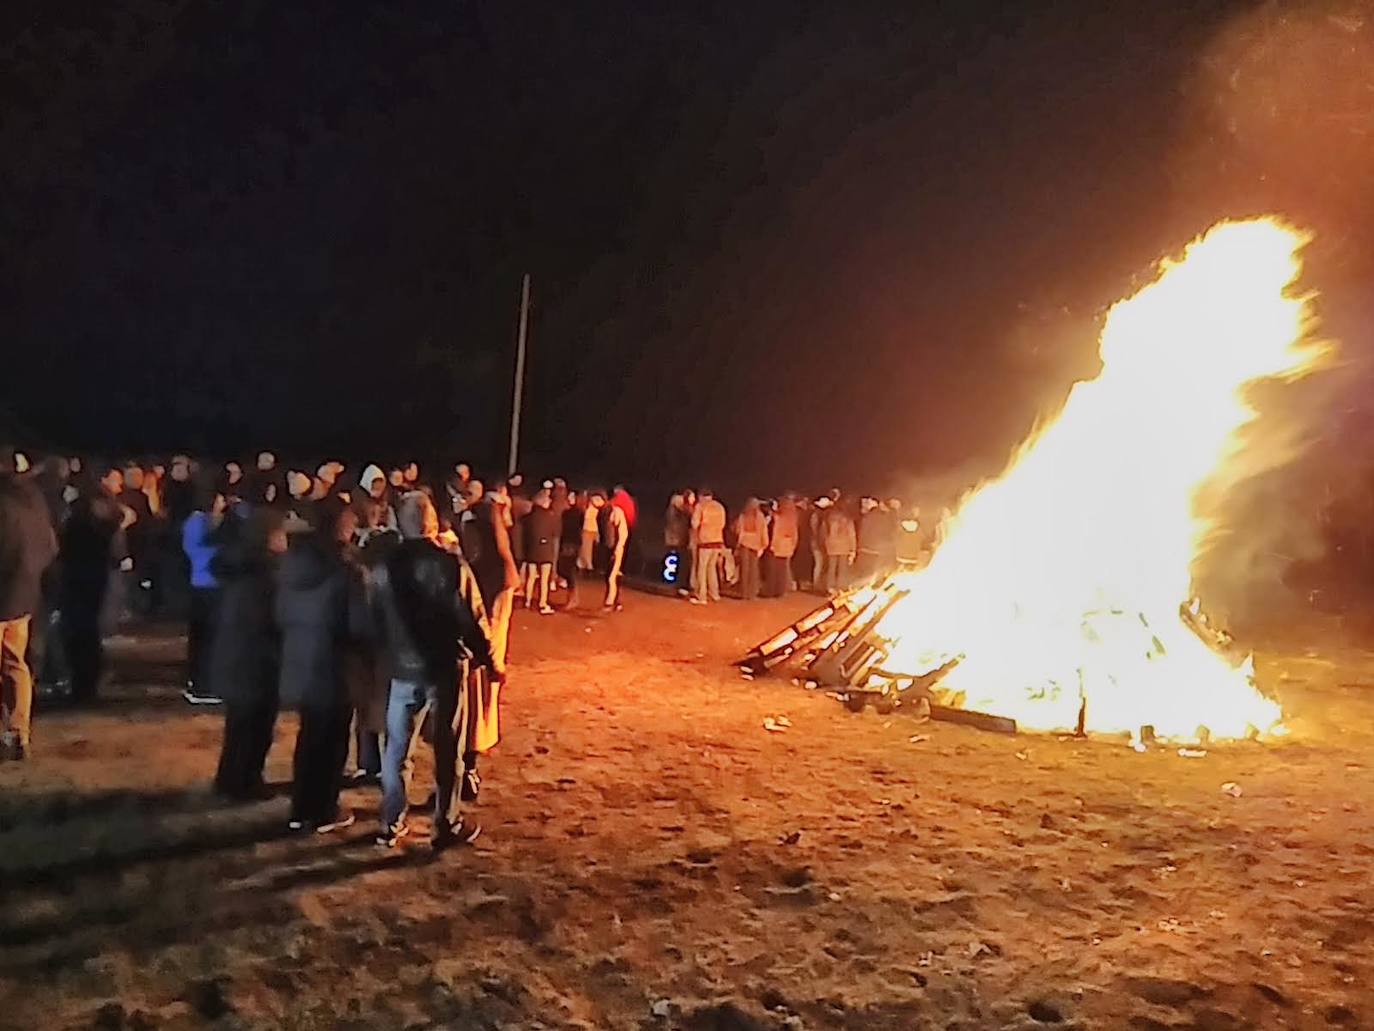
x: 344, y: 820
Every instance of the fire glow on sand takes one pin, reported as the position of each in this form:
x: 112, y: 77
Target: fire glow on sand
x: 1059, y: 593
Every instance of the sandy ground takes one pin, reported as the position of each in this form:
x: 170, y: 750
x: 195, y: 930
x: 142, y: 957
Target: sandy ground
x: 654, y: 858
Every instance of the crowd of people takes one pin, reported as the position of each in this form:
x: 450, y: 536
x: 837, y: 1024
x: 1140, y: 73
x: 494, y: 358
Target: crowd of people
x: 374, y: 606
x: 794, y: 543
x: 377, y: 604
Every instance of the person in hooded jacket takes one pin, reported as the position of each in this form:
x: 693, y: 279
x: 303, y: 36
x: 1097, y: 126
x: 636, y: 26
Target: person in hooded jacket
x: 433, y: 624
x: 373, y: 503
x: 245, y: 655
x: 318, y: 612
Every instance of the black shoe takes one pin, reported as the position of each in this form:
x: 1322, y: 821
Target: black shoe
x: 472, y: 784
x: 255, y: 793
x: 392, y: 836
x: 362, y: 779
x: 462, y: 833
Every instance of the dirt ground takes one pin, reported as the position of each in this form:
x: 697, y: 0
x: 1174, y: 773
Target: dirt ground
x: 655, y: 858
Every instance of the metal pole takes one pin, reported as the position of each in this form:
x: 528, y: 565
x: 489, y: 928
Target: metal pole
x: 519, y: 374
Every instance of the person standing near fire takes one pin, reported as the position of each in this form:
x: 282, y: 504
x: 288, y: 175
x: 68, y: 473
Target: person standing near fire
x: 245, y: 650
x: 782, y: 546
x: 840, y: 541
x: 677, y: 536
x: 27, y: 547
x: 618, y: 522
x: 433, y: 630
x: 708, y: 538
x: 485, y: 536
x: 91, y: 547
x: 542, y: 527
x: 591, y: 532
x: 751, y: 540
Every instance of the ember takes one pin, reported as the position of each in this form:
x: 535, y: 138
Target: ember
x: 1060, y: 593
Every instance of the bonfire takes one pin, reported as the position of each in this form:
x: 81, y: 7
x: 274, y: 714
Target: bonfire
x: 1059, y: 595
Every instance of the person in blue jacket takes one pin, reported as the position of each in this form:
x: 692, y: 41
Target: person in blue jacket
x: 199, y: 540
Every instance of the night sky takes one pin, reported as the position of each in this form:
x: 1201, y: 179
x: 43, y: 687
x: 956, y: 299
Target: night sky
x: 777, y: 243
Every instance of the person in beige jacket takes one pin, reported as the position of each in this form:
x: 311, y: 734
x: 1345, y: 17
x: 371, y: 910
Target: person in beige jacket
x: 782, y: 546
x: 751, y: 541
x: 708, y: 538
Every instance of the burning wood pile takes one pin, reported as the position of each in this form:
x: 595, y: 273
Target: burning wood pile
x: 838, y: 645
x: 1059, y: 596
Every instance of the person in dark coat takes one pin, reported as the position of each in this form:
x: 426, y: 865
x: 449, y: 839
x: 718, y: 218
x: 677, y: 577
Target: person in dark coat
x: 91, y: 546
x: 432, y: 624
x: 542, y: 529
x: 366, y: 668
x: 245, y: 653
x: 141, y: 535
x: 318, y: 596
x: 27, y: 547
x: 486, y: 542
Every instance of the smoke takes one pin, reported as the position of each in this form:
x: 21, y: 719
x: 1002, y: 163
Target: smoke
x: 1281, y: 118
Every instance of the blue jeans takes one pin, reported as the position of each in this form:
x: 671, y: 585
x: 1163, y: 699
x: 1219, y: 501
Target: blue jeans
x: 410, y: 701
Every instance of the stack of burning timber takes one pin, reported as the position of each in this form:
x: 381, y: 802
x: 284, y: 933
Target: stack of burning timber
x: 837, y: 646
x: 1055, y: 599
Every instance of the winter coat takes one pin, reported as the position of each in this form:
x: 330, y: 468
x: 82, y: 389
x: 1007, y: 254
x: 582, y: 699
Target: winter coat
x: 178, y: 500
x: 143, y: 532
x: 27, y: 547
x: 839, y: 537
x: 878, y: 534
x: 482, y: 550
x: 785, y: 532
x: 197, y: 541
x: 430, y: 614
x: 708, y: 524
x: 319, y: 597
x: 245, y: 652
x: 751, y: 531
x: 91, y: 544
x: 542, y: 527
x: 677, y: 525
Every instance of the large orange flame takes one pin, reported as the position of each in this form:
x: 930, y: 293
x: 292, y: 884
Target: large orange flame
x: 1058, y: 586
